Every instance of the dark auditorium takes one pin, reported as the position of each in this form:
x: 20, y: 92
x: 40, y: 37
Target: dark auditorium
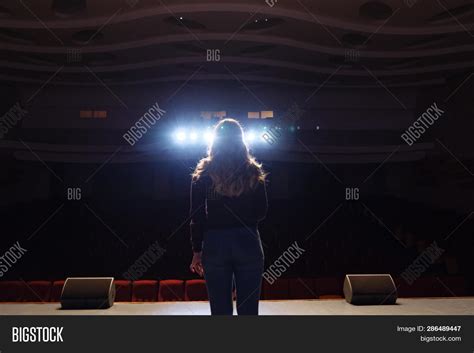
x: 237, y: 158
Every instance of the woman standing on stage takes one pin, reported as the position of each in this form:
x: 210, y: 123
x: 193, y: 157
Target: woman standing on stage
x: 228, y: 200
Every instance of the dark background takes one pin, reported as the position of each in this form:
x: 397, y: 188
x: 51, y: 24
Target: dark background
x: 360, y: 72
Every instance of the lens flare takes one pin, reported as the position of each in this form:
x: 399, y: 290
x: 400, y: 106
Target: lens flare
x: 209, y: 137
x: 250, y: 136
x: 193, y: 136
x: 180, y: 136
x: 206, y: 136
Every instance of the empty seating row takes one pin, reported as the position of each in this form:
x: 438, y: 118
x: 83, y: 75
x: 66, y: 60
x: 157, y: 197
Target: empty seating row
x: 126, y: 291
x: 195, y: 289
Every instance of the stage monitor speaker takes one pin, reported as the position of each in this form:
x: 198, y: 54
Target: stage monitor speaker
x: 88, y: 293
x: 373, y: 289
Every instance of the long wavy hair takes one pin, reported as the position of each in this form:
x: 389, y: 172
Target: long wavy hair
x: 229, y: 164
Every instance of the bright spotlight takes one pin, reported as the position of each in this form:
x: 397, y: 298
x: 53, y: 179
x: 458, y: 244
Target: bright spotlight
x: 250, y: 137
x: 193, y: 136
x: 208, y: 136
x: 180, y: 136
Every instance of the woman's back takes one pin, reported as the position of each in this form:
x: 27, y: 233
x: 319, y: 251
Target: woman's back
x: 215, y: 211
x: 228, y: 199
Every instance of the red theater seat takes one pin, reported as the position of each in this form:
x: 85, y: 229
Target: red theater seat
x: 144, y: 291
x: 56, y: 290
x: 11, y: 291
x: 328, y: 287
x: 195, y: 289
x: 171, y: 290
x: 123, y: 291
x: 302, y: 288
x: 37, y: 291
x: 331, y: 296
x: 280, y: 289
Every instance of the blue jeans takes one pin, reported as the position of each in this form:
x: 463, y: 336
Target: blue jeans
x: 228, y: 255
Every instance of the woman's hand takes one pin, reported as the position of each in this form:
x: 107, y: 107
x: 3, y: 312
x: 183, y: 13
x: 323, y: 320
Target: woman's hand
x: 196, y: 264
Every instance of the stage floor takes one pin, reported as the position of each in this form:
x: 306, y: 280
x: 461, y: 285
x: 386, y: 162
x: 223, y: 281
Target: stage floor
x: 404, y: 306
